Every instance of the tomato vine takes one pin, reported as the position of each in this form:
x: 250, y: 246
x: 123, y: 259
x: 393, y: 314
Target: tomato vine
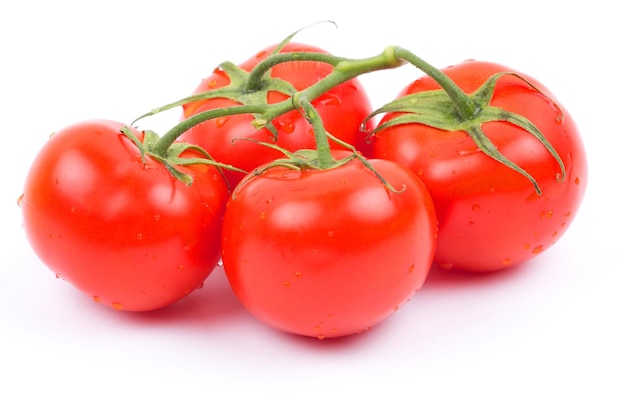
x: 446, y: 109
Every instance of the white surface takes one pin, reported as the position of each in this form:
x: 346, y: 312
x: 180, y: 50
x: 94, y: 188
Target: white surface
x: 541, y: 340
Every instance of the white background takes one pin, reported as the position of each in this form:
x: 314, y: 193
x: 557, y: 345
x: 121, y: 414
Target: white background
x: 545, y: 339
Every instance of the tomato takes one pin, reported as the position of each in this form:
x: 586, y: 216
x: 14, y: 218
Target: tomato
x: 490, y: 216
x: 123, y: 231
x: 342, y: 109
x: 328, y: 253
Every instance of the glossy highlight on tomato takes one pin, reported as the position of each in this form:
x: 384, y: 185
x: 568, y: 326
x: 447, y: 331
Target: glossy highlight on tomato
x: 491, y: 217
x: 121, y: 229
x: 342, y: 108
x: 328, y: 253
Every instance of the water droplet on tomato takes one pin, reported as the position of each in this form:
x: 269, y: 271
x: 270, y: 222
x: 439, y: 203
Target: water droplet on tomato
x: 263, y: 215
x: 269, y: 200
x: 96, y: 298
x: 212, y: 83
x: 321, y: 337
x: 532, y: 197
x: 330, y: 100
x: 57, y: 275
x: 286, y: 125
x: 157, y: 217
x: 446, y: 266
x: 181, y: 267
x: 538, y: 249
x: 19, y: 200
x: 117, y: 306
x: 467, y: 151
x: 559, y: 113
x: 471, y: 223
x: 220, y: 262
x: 219, y: 122
x: 298, y: 274
x: 286, y: 284
x: 576, y: 181
x: 476, y: 207
x: 506, y: 261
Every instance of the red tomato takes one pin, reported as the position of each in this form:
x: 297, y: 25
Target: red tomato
x: 490, y: 217
x: 328, y: 253
x: 123, y: 231
x: 342, y: 109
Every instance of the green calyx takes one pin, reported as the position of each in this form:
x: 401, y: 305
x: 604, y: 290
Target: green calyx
x: 172, y: 158
x: 250, y: 89
x: 309, y: 160
x: 321, y: 157
x: 250, y: 101
x: 438, y: 109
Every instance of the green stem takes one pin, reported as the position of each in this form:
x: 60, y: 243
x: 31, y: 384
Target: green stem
x: 465, y: 106
x: 255, y: 77
x: 324, y: 156
x: 161, y: 147
x: 343, y: 70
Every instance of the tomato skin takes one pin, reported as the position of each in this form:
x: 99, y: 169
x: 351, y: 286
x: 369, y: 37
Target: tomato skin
x: 123, y: 232
x: 342, y: 109
x: 328, y: 253
x: 490, y: 217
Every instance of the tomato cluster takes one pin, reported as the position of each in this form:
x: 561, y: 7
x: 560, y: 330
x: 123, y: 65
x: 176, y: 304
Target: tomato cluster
x: 326, y: 220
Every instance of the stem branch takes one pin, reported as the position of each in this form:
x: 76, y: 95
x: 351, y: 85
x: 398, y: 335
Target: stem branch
x: 170, y: 136
x: 465, y: 106
x: 344, y: 69
x: 324, y: 156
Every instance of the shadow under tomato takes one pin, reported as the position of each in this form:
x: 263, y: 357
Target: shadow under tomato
x: 440, y: 279
x: 345, y: 341
x: 214, y: 302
